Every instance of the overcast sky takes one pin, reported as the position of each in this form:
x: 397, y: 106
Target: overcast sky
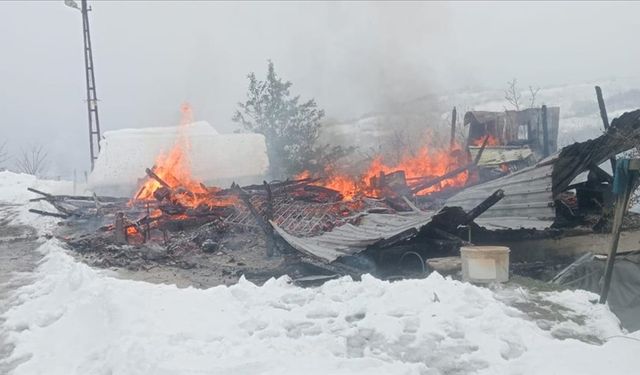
x: 351, y: 57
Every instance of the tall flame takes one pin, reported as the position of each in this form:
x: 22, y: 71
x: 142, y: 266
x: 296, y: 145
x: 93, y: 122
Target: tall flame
x: 174, y: 168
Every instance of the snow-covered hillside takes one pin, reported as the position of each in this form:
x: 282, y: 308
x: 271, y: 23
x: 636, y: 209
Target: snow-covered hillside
x: 73, y: 319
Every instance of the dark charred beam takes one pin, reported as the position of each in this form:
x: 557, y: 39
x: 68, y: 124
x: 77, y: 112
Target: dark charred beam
x: 484, y: 144
x: 45, y: 213
x: 545, y: 132
x: 47, y: 195
x: 427, y: 184
x: 483, y: 206
x: 120, y: 232
x: 154, y: 176
x: 454, y: 118
x: 605, y: 120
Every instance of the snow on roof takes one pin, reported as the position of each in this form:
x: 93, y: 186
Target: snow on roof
x: 216, y: 159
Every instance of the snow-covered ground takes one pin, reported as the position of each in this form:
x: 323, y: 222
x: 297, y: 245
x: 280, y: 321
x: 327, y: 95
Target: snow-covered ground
x: 72, y: 319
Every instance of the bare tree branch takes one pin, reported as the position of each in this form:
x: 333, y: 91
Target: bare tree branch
x: 32, y: 160
x: 532, y: 96
x: 512, y: 94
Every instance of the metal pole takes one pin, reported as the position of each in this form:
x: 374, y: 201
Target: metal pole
x: 92, y: 99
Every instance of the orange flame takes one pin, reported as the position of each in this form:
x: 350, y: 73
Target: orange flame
x: 492, y: 141
x: 174, y: 168
x: 427, y: 163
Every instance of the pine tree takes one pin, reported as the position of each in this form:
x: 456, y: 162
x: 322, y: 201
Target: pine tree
x: 290, y: 128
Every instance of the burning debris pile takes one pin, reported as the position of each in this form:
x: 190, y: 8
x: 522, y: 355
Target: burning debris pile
x: 173, y: 219
x: 388, y: 220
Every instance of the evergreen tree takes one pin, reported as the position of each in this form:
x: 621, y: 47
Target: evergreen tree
x: 290, y: 127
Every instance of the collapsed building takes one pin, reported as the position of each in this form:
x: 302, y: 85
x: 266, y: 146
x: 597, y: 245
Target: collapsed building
x: 562, y: 205
x: 389, y: 222
x: 516, y: 139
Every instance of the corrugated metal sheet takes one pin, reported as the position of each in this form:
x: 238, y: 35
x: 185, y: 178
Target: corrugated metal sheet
x: 351, y: 239
x: 508, y: 223
x: 527, y: 194
x: 494, y: 156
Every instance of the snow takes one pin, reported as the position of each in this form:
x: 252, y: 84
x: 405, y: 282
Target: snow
x: 77, y: 320
x: 216, y: 159
x: 13, y: 191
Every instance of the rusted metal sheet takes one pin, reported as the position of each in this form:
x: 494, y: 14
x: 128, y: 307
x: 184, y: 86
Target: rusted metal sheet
x: 350, y: 239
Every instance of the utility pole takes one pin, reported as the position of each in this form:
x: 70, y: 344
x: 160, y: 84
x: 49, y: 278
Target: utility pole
x: 92, y: 98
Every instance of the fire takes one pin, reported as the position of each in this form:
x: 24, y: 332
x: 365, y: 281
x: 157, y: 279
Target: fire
x: 492, y: 141
x: 174, y: 168
x: 427, y: 163
x: 132, y: 231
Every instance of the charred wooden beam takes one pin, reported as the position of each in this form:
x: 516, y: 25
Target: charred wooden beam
x: 483, y: 206
x: 454, y: 118
x: 120, y: 232
x: 479, y: 155
x: 545, y: 132
x: 427, y: 184
x: 46, y: 195
x: 154, y: 176
x: 453, y: 173
x: 605, y: 120
x: 45, y: 213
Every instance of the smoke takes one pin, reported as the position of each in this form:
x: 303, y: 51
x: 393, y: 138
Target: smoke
x: 354, y: 58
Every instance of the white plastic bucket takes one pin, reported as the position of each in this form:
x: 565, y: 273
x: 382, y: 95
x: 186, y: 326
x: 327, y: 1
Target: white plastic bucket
x: 485, y: 264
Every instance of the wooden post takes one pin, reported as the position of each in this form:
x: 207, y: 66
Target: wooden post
x: 622, y: 201
x: 605, y: 121
x: 120, y: 233
x: 545, y: 132
x: 454, y: 118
